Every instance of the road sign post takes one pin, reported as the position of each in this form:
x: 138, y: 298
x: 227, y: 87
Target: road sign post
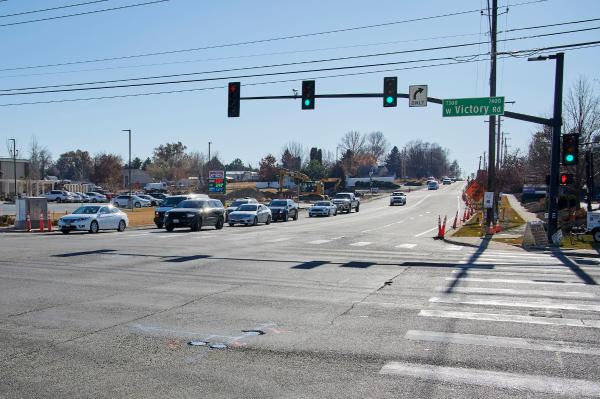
x: 478, y: 106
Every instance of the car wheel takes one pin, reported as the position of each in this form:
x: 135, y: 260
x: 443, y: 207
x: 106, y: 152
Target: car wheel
x: 137, y: 205
x: 231, y: 224
x: 220, y: 223
x: 94, y: 200
x: 309, y: 215
x: 169, y: 227
x: 159, y: 225
x: 255, y: 222
x: 357, y: 206
x: 59, y: 200
x: 94, y: 227
x: 596, y: 235
x: 285, y: 217
x: 197, y: 225
x: 335, y: 213
x: 64, y: 231
x: 296, y: 215
x: 122, y: 226
x: 268, y: 220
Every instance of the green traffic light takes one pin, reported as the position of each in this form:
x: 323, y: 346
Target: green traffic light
x: 569, y: 158
x: 307, y: 102
x: 389, y: 99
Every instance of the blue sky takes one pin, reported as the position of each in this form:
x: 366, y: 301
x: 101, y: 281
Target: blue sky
x: 265, y: 126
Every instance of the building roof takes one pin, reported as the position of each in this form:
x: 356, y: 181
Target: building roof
x: 5, y: 159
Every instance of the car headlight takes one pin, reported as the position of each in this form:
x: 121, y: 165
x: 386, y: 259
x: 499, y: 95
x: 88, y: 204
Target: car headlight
x: 156, y: 214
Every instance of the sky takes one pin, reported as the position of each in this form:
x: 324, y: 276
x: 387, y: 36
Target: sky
x: 199, y: 116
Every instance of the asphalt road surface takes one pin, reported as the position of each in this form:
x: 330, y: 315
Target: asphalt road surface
x: 365, y: 305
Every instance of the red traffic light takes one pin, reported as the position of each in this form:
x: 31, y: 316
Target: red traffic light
x: 566, y: 178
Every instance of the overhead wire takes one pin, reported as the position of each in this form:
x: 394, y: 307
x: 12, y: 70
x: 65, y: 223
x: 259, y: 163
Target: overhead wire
x: 258, y: 41
x: 338, y: 68
x: 346, y: 58
x: 82, y: 13
x: 262, y: 83
x: 52, y: 8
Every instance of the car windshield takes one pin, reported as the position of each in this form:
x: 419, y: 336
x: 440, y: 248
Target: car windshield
x: 172, y: 201
x: 322, y: 203
x: 86, y: 210
x: 278, y: 203
x: 239, y: 202
x: 247, y: 207
x: 342, y: 196
x: 397, y: 194
x: 191, y: 204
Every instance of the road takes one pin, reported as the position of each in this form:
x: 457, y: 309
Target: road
x: 352, y: 306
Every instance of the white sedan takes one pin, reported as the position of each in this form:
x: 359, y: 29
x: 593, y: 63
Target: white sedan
x: 322, y: 208
x: 94, y: 218
x: 251, y: 214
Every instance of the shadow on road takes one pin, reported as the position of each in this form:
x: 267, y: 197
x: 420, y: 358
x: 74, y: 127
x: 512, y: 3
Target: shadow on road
x: 464, y: 268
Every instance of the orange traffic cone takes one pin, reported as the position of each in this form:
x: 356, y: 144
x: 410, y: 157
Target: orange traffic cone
x: 455, y: 221
x: 443, y: 228
x: 498, y: 228
x: 41, y: 222
x: 491, y: 229
x: 49, y: 223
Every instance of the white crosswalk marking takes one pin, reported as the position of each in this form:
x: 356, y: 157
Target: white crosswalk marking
x: 511, y: 281
x: 361, y: 244
x: 496, y: 379
x: 318, y: 242
x: 537, y: 304
x: 281, y: 239
x: 406, y: 246
x: 515, y: 292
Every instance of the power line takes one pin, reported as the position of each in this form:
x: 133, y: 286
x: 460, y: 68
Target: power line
x: 287, y: 64
x: 263, y: 83
x: 244, y: 43
x: 52, y: 9
x: 339, y: 68
x: 551, y: 25
x: 83, y: 13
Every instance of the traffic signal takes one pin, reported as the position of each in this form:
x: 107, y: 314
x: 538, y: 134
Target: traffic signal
x: 566, y: 178
x: 390, y: 91
x: 233, y: 104
x: 570, y: 149
x: 308, y: 94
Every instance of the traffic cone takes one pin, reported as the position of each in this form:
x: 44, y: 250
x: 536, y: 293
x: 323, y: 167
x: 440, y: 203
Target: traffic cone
x: 491, y: 228
x: 455, y: 221
x: 49, y: 223
x: 28, y: 222
x: 444, y: 227
x: 464, y: 219
x: 439, y: 234
x: 498, y: 228
x: 41, y: 222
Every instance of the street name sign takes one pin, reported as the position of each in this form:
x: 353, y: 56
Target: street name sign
x: 417, y: 96
x: 478, y: 106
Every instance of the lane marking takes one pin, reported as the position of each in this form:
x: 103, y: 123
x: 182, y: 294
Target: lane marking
x: 318, y: 242
x: 406, y: 246
x: 536, y: 304
x: 509, y: 281
x: 425, y: 232
x: 514, y: 292
x: 496, y: 379
x: 361, y: 244
x: 511, y: 318
x: 280, y: 239
x: 451, y: 247
x: 503, y: 342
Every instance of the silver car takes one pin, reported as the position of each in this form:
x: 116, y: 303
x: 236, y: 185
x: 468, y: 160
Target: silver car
x: 250, y: 214
x: 322, y: 208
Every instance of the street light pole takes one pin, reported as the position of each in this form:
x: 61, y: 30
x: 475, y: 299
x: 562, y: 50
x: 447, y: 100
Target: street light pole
x: 129, y: 168
x: 14, y: 154
x: 209, y: 143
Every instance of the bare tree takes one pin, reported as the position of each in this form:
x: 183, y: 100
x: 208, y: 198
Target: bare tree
x: 353, y: 141
x: 377, y: 145
x: 538, y: 156
x: 39, y: 159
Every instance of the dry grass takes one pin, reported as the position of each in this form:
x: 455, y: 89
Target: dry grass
x: 140, y: 217
x: 508, y: 218
x: 581, y: 242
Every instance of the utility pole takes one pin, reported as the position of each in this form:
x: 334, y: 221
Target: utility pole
x: 492, y: 125
x: 209, y: 143
x: 499, y: 143
x: 589, y: 169
x: 129, y: 167
x: 14, y: 154
x: 479, y: 167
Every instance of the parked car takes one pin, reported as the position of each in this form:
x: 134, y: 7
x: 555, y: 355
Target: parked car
x: 283, y: 209
x: 59, y: 196
x: 195, y: 214
x: 96, y: 197
x: 432, y: 185
x: 157, y: 195
x: 250, y: 214
x: 345, y: 202
x: 397, y: 197
x: 124, y: 201
x: 153, y: 201
x: 171, y: 202
x: 322, y: 208
x: 84, y: 197
x: 94, y: 218
x: 237, y: 203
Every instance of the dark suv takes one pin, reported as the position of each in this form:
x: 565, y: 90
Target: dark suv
x: 195, y: 214
x: 283, y: 209
x: 171, y: 202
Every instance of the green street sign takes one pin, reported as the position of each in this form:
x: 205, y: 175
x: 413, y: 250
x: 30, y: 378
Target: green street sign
x: 473, y: 106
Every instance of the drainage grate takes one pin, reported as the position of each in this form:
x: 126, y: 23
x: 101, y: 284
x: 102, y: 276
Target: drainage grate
x: 218, y: 346
x: 253, y: 333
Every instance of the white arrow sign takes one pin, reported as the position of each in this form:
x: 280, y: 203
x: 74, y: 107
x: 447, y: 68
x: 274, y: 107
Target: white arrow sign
x: 417, y: 96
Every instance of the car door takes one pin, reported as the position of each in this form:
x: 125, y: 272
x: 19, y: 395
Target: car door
x: 261, y: 214
x: 209, y: 214
x: 104, y: 219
